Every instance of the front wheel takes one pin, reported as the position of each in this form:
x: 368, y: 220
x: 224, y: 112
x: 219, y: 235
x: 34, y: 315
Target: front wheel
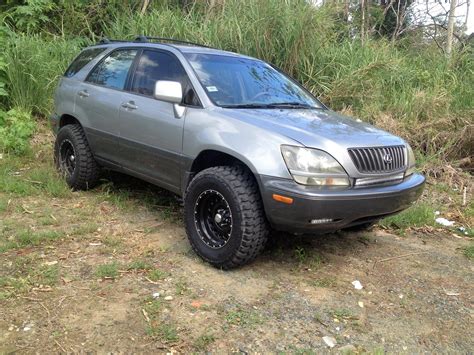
x: 225, y: 219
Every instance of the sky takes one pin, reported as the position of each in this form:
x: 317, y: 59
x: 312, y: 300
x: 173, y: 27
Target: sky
x: 436, y: 8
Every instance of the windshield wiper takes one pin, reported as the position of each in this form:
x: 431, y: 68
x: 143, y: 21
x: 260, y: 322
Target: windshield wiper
x: 290, y: 105
x: 272, y: 105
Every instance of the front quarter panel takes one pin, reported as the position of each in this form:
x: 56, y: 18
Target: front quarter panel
x: 259, y: 149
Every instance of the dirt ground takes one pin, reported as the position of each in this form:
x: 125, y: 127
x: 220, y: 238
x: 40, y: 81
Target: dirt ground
x: 110, y: 272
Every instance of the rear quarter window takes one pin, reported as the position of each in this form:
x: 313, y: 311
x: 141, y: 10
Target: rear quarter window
x: 82, y: 59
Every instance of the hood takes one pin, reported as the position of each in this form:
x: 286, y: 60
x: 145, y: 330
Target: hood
x: 323, y: 129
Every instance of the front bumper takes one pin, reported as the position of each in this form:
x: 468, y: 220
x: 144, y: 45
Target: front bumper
x: 345, y: 208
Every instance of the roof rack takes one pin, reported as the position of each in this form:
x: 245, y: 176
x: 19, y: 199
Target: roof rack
x: 148, y: 39
x: 105, y: 40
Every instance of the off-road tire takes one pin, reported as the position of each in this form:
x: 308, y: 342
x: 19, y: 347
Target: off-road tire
x: 249, y: 225
x: 86, y: 171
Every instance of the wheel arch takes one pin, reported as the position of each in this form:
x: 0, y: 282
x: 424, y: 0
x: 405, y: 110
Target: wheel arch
x: 67, y: 119
x: 209, y: 158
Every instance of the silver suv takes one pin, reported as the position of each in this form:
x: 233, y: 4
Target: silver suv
x: 246, y: 146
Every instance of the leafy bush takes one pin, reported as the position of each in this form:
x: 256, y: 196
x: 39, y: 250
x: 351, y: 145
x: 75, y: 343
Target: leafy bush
x: 16, y: 128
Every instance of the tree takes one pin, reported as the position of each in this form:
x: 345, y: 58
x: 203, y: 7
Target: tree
x: 449, y: 40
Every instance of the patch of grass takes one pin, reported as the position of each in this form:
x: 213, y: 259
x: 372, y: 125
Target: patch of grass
x: 3, y: 203
x: 469, y: 252
x: 156, y: 275
x: 112, y: 242
x: 47, y: 221
x: 107, y: 270
x: 243, y: 317
x: 166, y: 332
x: 325, y: 282
x: 47, y: 275
x: 11, y: 285
x: 26, y: 237
x: 203, y: 341
x: 48, y: 181
x: 153, y: 308
x: 300, y: 254
x: 181, y: 287
x: 418, y: 215
x: 140, y: 265
x: 342, y: 313
x: 84, y: 229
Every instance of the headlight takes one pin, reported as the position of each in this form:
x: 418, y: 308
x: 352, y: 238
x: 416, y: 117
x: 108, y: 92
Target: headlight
x: 411, y: 161
x: 313, y: 167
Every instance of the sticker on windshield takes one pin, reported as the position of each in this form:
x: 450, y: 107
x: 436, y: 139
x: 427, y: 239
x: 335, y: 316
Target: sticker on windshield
x: 211, y: 88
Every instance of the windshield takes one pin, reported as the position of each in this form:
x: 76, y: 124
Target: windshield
x: 245, y: 83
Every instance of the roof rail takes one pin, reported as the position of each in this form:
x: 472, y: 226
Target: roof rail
x: 105, y: 40
x: 146, y: 39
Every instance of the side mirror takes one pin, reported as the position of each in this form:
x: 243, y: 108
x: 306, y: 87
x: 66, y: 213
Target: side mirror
x: 169, y: 91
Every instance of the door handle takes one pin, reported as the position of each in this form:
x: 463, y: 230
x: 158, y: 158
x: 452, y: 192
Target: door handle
x: 83, y: 93
x: 130, y: 105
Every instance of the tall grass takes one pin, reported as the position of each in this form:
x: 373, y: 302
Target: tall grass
x: 34, y: 65
x: 409, y: 90
x: 416, y: 94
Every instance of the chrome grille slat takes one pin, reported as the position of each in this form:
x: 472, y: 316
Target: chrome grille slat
x: 372, y: 160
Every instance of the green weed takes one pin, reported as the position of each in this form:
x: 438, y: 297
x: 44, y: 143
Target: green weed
x: 243, y: 317
x: 140, y: 265
x: 469, y: 252
x: 203, y: 341
x: 418, y: 215
x: 325, y: 282
x: 156, y: 275
x: 107, y: 270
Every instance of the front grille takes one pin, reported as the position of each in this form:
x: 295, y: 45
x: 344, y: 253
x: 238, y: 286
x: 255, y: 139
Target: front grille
x: 378, y: 159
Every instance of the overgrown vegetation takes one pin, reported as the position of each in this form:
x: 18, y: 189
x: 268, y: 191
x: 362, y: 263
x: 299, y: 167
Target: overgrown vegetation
x: 405, y: 86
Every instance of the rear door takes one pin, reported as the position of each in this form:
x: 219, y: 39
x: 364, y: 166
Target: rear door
x: 150, y: 132
x: 98, y: 99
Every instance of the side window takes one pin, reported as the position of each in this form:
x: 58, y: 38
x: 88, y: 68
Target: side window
x: 81, y: 60
x: 153, y: 66
x: 112, y: 71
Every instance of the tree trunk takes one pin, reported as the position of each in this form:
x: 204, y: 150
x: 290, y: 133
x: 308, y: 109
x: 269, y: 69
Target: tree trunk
x: 362, y: 22
x: 144, y: 6
x: 449, y: 40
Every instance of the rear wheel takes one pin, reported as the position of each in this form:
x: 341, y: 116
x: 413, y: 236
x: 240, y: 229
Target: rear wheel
x: 74, y: 159
x: 225, y: 220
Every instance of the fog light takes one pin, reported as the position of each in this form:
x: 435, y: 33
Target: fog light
x: 321, y: 221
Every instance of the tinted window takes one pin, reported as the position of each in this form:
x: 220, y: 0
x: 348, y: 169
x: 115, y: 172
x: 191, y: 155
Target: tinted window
x: 154, y: 66
x: 112, y: 71
x: 81, y: 60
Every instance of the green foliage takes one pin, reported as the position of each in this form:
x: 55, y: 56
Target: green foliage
x: 30, y: 16
x: 16, y: 128
x: 418, y: 215
x: 406, y: 87
x: 107, y: 270
x: 469, y: 252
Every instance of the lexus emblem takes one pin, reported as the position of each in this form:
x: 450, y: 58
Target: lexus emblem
x: 387, y: 158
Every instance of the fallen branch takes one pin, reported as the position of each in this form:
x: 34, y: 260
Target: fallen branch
x: 397, y: 257
x: 57, y: 343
